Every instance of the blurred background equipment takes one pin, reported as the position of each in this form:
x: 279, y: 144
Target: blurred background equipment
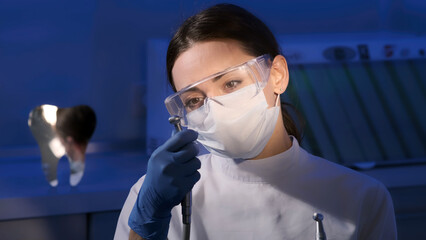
x: 59, y: 132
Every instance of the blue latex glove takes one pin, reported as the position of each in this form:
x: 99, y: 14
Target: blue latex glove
x: 171, y: 173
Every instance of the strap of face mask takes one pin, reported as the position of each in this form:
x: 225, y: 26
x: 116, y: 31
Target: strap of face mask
x: 277, y: 100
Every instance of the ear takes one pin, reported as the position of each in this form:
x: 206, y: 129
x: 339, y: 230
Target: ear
x: 279, y: 74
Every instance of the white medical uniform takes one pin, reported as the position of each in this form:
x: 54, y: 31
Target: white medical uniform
x: 275, y: 198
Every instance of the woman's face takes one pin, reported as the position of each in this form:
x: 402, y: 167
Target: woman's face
x: 206, y: 58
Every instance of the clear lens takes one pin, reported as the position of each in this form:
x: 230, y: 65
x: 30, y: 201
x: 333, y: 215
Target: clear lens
x: 191, y: 98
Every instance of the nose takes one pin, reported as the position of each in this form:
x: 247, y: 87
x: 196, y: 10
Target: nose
x: 207, y: 101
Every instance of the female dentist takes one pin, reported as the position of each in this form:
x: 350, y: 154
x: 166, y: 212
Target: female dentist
x: 257, y: 182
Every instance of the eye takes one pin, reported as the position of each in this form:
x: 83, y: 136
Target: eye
x: 194, y: 103
x: 230, y: 85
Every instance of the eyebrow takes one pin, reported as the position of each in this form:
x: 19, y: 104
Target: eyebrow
x: 194, y: 89
x: 215, y: 79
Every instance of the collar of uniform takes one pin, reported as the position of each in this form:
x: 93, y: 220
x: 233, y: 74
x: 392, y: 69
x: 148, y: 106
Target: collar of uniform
x: 261, y: 170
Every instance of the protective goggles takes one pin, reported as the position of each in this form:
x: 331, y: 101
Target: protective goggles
x: 212, y: 88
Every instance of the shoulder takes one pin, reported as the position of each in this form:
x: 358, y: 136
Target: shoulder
x: 122, y: 229
x: 339, y: 173
x: 340, y: 184
x: 371, y: 204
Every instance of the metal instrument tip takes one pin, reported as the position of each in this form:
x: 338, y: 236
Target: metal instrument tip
x: 318, y: 217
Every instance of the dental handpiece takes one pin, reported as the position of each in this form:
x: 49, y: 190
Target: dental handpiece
x: 320, y: 233
x: 187, y: 201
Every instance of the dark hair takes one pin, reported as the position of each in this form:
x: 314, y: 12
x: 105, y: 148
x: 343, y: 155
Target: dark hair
x: 227, y: 21
x: 78, y: 122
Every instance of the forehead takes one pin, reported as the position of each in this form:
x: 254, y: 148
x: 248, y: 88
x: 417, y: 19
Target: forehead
x: 206, y: 58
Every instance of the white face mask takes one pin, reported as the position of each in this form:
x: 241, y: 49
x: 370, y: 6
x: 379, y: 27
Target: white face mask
x: 240, y: 131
